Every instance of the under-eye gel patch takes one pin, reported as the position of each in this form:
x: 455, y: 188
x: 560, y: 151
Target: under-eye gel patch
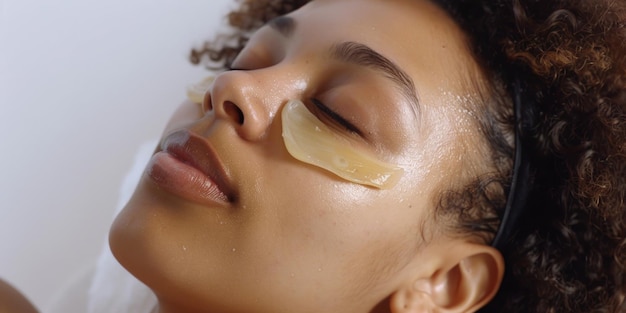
x: 311, y: 141
x: 196, y: 92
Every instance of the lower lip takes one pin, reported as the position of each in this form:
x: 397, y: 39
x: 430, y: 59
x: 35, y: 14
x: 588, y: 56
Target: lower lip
x: 183, y: 180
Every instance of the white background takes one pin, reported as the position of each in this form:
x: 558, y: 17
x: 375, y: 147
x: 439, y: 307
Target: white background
x: 82, y: 84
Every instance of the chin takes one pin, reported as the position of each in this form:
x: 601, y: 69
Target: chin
x: 144, y: 240
x: 135, y: 239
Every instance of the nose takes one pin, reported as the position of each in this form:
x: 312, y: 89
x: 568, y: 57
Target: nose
x: 238, y: 97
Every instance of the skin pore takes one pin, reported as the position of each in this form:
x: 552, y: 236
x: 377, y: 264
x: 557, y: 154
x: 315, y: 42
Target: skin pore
x: 269, y: 233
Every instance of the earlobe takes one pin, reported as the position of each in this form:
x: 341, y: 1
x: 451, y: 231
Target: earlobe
x: 462, y: 284
x: 409, y: 300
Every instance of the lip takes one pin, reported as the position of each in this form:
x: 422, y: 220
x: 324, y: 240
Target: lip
x: 187, y: 166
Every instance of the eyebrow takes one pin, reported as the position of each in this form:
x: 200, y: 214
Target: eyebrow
x: 361, y: 55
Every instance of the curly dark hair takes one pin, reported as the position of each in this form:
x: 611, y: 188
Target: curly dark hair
x: 568, y: 252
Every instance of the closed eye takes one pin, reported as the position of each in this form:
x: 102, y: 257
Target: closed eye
x: 338, y: 119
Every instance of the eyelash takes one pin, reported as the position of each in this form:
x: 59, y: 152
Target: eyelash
x: 336, y: 118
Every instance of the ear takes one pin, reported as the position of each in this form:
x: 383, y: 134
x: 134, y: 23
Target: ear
x: 466, y: 279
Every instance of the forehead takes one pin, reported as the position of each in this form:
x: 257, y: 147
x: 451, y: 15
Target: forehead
x: 417, y: 35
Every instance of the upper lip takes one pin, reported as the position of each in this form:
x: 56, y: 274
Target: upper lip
x: 195, y: 151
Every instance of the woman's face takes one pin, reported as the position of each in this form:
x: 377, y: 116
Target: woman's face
x: 270, y: 233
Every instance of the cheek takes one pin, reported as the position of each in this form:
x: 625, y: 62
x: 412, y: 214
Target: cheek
x: 342, y: 229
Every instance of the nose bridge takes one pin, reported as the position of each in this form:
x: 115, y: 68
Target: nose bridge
x: 247, y: 99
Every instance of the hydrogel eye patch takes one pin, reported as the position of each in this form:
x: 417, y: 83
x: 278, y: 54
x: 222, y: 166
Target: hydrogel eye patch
x: 311, y: 141
x: 196, y: 92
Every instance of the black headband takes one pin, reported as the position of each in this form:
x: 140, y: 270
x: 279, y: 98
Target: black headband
x: 521, y: 182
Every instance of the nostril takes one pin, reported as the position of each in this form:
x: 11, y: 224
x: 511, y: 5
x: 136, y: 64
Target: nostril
x: 206, y: 104
x: 234, y: 112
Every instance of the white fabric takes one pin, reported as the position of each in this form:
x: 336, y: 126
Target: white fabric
x: 113, y: 289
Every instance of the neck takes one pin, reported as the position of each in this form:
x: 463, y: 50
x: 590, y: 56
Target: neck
x: 382, y: 307
x: 163, y: 307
